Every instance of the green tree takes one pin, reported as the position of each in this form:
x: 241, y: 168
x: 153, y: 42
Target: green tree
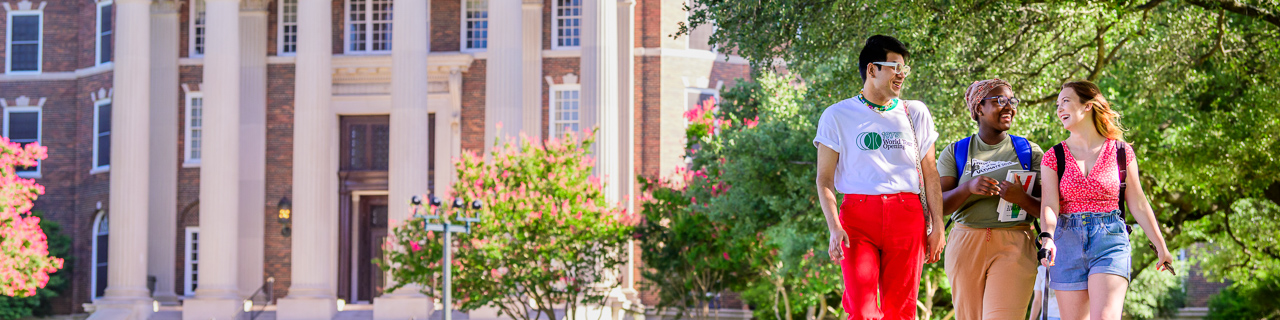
x: 548, y: 244
x: 40, y: 304
x: 688, y: 257
x: 1194, y: 80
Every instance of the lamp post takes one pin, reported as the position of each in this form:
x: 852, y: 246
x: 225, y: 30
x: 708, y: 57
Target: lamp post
x: 284, y: 213
x: 447, y: 227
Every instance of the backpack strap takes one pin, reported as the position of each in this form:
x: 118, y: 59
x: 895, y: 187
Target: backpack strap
x: 961, y: 152
x: 1062, y: 163
x: 1023, y: 148
x: 1121, y: 159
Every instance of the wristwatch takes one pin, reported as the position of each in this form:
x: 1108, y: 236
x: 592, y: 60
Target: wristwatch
x: 1046, y: 235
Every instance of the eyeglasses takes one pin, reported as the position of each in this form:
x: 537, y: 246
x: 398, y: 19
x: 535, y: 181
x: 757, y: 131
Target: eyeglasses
x: 898, y: 68
x: 1004, y: 101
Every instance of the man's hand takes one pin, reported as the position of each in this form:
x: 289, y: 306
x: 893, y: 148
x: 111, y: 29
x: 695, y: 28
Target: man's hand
x: 983, y: 185
x: 835, y: 247
x: 935, y: 244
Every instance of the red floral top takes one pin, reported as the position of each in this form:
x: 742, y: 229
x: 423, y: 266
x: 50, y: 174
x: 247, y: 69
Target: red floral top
x: 1100, y: 191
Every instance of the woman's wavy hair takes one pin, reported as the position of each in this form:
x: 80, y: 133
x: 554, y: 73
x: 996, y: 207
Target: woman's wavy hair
x: 1105, y: 119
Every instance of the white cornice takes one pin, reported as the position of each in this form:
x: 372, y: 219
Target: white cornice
x: 54, y: 76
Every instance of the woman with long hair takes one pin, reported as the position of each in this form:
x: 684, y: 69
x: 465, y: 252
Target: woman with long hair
x: 1088, y: 250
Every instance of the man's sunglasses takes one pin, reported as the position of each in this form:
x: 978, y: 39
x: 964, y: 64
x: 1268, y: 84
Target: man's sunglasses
x: 898, y: 68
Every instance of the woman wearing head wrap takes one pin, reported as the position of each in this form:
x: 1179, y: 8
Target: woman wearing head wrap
x: 990, y: 254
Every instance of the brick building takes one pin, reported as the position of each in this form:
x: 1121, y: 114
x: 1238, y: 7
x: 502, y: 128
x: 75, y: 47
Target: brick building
x: 245, y: 105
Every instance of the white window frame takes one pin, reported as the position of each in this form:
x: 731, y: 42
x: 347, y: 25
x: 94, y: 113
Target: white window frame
x: 187, y: 161
x: 8, y: 40
x: 96, y: 110
x: 555, y: 32
x: 188, y: 285
x: 191, y: 31
x: 93, y: 264
x: 39, y: 133
x: 97, y: 35
x: 552, y: 124
x: 346, y: 24
x: 280, y: 32
x: 700, y: 91
x: 462, y: 45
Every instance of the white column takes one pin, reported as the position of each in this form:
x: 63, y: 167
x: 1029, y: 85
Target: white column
x: 253, y: 144
x: 162, y: 225
x: 626, y: 125
x: 313, y: 276
x: 531, y: 80
x: 126, y: 296
x: 218, y: 295
x: 408, y: 159
x: 599, y: 102
x: 503, y: 82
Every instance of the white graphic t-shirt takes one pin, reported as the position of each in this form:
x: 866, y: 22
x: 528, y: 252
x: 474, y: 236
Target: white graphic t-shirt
x: 878, y: 152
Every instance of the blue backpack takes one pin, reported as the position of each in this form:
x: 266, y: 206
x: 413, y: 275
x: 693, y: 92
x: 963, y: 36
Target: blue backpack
x: 961, y: 153
x: 961, y: 149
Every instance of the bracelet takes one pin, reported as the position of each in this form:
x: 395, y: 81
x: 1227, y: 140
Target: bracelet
x: 1046, y: 235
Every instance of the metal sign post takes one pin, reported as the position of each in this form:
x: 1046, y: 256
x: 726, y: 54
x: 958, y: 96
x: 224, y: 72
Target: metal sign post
x: 447, y: 227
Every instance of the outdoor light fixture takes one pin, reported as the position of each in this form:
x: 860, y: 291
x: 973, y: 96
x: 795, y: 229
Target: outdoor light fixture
x: 342, y: 304
x: 155, y: 306
x: 248, y: 305
x: 285, y: 214
x: 446, y: 225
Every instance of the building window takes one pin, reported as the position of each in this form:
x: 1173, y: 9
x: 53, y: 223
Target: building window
x: 475, y: 24
x: 197, y: 28
x: 368, y: 26
x: 102, y: 135
x: 24, y: 38
x: 105, y: 30
x: 100, y: 230
x: 568, y: 24
x: 193, y: 125
x: 365, y: 143
x: 700, y: 38
x: 564, y: 111
x: 695, y: 97
x: 288, y: 27
x: 191, y: 261
x: 22, y: 126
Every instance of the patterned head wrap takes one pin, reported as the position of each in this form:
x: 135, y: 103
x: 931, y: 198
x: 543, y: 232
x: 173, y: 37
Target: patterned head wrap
x: 978, y: 90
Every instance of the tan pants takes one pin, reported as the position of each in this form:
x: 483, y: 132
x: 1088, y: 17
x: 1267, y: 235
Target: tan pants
x: 992, y: 271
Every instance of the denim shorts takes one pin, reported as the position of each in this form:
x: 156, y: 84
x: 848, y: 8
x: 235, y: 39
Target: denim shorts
x: 1089, y: 243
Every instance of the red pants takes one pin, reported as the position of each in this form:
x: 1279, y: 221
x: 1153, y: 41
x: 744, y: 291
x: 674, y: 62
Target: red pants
x: 885, y: 255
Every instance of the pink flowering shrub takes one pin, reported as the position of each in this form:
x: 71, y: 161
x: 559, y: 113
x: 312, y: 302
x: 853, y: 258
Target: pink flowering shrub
x: 25, y: 263
x: 547, y: 235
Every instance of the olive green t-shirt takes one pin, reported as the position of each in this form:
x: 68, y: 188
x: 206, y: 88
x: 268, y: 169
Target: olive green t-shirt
x: 993, y: 161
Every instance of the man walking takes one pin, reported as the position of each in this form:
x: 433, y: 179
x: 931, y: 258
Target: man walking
x: 878, y: 151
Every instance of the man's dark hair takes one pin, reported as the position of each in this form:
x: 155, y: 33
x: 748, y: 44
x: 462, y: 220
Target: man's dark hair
x: 877, y: 49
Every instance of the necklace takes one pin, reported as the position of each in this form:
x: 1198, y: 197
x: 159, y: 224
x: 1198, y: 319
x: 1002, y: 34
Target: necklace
x: 878, y: 108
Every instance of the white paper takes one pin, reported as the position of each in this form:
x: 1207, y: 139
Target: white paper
x: 1010, y: 212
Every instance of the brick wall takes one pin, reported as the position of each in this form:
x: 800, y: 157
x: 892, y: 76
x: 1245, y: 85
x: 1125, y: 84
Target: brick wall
x: 92, y: 188
x: 188, y: 207
x: 473, y: 99
x: 279, y: 172
x: 446, y: 25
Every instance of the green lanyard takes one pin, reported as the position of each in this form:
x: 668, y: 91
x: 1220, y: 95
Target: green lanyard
x: 879, y: 108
